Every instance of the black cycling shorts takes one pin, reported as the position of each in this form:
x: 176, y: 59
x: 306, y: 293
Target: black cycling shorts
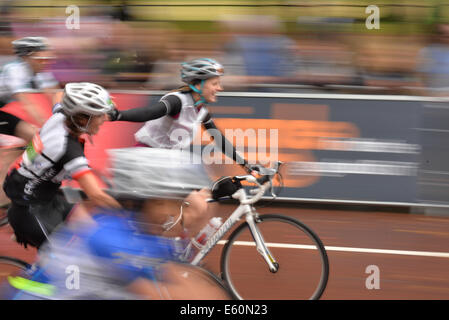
x: 33, y: 223
x: 8, y: 123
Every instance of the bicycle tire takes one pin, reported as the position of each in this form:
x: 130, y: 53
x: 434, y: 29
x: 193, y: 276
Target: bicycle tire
x: 207, y: 285
x: 257, y: 269
x: 10, y: 265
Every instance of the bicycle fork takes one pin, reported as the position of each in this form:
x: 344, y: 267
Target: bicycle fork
x: 260, y: 243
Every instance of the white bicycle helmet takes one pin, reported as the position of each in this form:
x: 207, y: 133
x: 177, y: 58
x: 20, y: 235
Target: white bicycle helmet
x: 142, y: 173
x: 86, y: 98
x: 200, y: 69
x: 25, y: 46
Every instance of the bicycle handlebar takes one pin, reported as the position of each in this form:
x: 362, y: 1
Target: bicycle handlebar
x: 263, y: 182
x: 258, y: 195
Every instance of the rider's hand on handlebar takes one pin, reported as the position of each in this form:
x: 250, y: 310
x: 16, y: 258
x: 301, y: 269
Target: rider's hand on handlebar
x: 253, y: 169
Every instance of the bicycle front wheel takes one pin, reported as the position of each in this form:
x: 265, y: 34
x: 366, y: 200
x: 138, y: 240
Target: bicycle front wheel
x: 189, y: 282
x: 303, y: 266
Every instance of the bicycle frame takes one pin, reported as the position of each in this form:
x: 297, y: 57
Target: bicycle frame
x: 242, y: 210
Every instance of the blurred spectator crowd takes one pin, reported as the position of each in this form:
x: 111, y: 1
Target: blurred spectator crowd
x: 258, y: 54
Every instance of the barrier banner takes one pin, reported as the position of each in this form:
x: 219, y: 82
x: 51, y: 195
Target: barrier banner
x: 336, y: 147
x: 433, y: 176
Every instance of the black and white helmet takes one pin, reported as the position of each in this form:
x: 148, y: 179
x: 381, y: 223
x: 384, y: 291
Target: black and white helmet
x: 146, y: 173
x: 200, y: 69
x: 25, y: 46
x: 86, y: 98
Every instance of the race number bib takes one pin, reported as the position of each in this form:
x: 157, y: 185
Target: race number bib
x: 34, y: 148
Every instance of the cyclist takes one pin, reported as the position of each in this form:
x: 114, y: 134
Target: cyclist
x: 176, y: 116
x: 57, y: 153
x: 17, y: 79
x: 180, y: 110
x: 118, y: 256
x: 20, y: 77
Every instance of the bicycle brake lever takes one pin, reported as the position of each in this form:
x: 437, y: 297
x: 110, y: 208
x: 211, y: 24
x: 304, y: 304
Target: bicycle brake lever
x: 252, y: 179
x: 268, y: 171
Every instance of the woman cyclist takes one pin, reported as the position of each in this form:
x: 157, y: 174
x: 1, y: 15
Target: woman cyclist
x: 57, y: 153
x: 171, y: 123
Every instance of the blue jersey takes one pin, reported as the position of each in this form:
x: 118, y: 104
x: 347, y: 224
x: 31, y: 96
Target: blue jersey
x: 133, y: 254
x: 95, y: 262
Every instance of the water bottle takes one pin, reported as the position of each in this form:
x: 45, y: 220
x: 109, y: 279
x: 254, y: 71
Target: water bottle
x: 212, y: 226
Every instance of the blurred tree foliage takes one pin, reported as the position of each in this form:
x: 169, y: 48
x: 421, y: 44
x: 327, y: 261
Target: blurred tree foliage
x: 297, y: 16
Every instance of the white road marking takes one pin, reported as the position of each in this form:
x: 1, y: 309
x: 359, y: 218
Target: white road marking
x: 346, y: 249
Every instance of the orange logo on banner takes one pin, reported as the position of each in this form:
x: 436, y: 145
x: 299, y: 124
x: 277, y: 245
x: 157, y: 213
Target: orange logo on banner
x: 295, y: 139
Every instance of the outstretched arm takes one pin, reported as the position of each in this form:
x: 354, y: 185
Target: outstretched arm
x: 170, y: 105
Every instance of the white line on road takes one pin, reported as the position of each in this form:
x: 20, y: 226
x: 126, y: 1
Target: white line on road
x: 346, y: 249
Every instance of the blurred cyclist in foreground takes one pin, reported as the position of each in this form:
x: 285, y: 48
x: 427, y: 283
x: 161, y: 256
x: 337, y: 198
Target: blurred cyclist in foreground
x: 117, y: 255
x: 56, y: 153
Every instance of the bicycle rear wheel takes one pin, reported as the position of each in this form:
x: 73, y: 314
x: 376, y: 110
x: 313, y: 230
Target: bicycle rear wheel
x: 303, y: 266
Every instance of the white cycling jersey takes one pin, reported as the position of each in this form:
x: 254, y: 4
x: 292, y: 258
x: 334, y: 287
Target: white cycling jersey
x: 171, y: 132
x: 18, y: 77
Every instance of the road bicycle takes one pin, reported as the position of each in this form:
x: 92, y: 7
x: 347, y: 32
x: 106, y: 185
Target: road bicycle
x: 269, y: 256
x: 289, y: 260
